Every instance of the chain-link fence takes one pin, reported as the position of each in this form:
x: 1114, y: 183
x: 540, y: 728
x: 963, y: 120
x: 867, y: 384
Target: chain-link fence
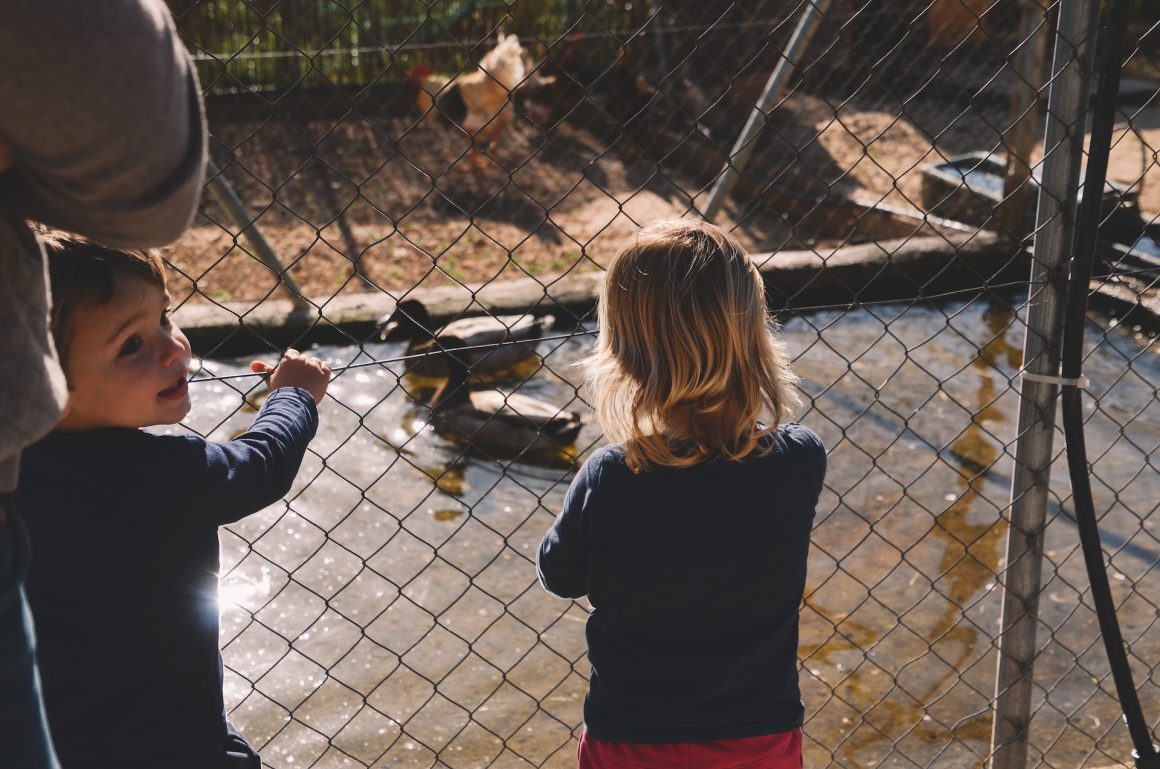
x: 387, y: 614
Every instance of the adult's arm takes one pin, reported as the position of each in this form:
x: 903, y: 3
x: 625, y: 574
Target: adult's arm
x: 102, y: 113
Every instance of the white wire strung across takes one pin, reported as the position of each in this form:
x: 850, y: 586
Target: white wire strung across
x: 200, y: 374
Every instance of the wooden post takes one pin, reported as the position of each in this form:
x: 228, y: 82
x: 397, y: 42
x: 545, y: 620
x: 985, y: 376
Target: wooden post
x: 1023, y: 121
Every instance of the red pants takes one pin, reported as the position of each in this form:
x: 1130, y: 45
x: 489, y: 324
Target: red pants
x: 769, y: 751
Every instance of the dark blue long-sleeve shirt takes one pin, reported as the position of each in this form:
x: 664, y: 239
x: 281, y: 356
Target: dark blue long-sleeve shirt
x: 695, y: 577
x: 123, y: 582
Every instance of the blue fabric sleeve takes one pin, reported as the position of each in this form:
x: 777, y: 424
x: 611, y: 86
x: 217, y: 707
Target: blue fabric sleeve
x: 232, y: 480
x: 563, y: 557
x: 816, y: 451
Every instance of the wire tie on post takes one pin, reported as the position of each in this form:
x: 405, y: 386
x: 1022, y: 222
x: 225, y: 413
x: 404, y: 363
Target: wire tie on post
x: 1080, y: 382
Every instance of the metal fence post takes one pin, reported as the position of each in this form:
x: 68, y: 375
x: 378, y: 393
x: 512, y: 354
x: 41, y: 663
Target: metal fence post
x: 1055, y: 227
x: 743, y: 148
x: 225, y: 195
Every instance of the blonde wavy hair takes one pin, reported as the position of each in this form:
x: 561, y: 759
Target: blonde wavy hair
x: 686, y: 362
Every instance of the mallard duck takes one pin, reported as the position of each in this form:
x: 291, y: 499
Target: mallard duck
x: 502, y: 425
x: 411, y: 321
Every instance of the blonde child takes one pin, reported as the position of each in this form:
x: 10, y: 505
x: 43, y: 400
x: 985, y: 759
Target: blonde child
x: 689, y: 532
x: 123, y: 586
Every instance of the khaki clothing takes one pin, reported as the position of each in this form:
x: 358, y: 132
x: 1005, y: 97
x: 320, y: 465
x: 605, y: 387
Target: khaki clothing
x: 100, y: 106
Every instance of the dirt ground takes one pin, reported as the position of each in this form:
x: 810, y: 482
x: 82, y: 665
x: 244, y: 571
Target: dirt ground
x: 414, y: 213
x: 884, y: 152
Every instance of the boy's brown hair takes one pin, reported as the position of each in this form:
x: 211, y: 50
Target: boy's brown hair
x: 84, y: 274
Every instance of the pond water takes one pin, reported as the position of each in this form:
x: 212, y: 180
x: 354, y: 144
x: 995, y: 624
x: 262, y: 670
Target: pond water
x: 389, y: 614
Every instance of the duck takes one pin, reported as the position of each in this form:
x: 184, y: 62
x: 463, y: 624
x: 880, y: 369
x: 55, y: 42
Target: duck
x: 501, y: 425
x: 411, y: 321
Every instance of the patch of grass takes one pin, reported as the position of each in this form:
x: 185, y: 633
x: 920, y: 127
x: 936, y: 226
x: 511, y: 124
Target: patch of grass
x: 451, y: 266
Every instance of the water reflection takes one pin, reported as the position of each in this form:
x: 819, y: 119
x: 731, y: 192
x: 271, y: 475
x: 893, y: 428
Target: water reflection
x: 391, y: 609
x: 899, y: 624
x: 971, y: 543
x: 240, y: 592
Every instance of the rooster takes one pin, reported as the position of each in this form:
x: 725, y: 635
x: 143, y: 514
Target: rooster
x: 478, y: 102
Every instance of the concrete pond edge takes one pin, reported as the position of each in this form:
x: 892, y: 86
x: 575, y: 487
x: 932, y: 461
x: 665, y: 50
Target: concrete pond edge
x: 913, y: 269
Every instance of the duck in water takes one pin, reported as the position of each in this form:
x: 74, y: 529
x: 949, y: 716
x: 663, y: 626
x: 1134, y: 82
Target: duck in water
x: 410, y: 321
x: 501, y: 425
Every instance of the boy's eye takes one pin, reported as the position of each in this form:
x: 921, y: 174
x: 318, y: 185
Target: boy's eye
x: 132, y: 345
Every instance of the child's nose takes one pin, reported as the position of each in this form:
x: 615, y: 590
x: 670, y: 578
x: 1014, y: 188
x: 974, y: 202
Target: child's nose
x: 176, y: 347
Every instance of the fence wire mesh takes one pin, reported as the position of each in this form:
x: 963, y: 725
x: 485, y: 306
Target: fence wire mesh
x: 387, y: 612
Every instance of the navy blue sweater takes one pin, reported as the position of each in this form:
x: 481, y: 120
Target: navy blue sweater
x: 695, y: 577
x: 123, y: 582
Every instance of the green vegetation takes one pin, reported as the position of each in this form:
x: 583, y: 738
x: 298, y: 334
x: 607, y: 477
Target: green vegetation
x: 276, y: 45
x: 450, y: 265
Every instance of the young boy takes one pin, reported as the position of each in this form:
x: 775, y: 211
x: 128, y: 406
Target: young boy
x: 125, y: 522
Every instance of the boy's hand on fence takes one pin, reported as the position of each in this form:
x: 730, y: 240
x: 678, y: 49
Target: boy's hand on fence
x: 296, y: 370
